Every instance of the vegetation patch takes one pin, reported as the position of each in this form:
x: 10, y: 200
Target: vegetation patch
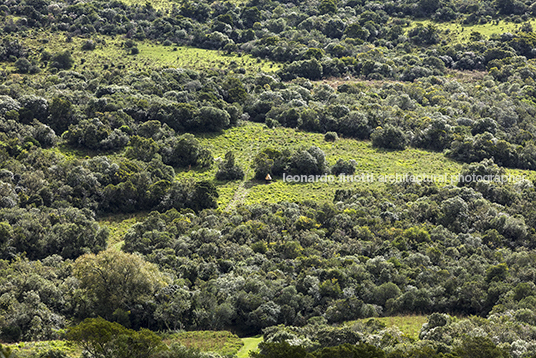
x: 115, y: 53
x: 378, y: 166
x: 221, y: 342
x: 410, y: 325
x: 458, y: 32
x: 250, y: 344
x: 33, y: 349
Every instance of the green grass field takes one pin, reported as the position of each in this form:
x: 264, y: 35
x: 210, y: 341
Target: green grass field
x: 409, y: 325
x: 110, y: 54
x: 250, y: 344
x: 222, y: 342
x: 162, y: 5
x: 459, y: 33
x: 165, y: 5
x: 118, y: 226
x: 247, y: 140
x: 33, y: 349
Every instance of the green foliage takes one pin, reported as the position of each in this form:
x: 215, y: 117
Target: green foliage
x: 389, y: 138
x: 5, y: 352
x: 228, y: 170
x: 101, y: 338
x: 62, y: 60
x: 327, y: 6
x: 479, y: 347
x: 117, y: 281
x: 115, y: 76
x: 331, y: 137
x: 347, y: 350
x: 219, y: 342
x: 279, y: 350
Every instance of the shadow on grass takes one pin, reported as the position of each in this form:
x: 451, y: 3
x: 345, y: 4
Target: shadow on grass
x: 253, y: 183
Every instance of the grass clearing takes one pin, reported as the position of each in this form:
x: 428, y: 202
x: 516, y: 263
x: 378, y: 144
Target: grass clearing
x: 222, y: 342
x: 409, y: 325
x: 381, y: 165
x: 162, y: 5
x: 118, y: 225
x: 32, y: 349
x: 250, y: 344
x: 165, y: 5
x: 459, y: 33
x: 110, y: 54
x: 200, y: 59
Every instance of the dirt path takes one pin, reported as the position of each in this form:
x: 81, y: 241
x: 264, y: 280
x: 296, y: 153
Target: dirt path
x: 241, y: 192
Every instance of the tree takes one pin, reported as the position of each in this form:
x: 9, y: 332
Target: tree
x: 355, y: 31
x: 213, y: 119
x: 362, y: 350
x: 343, y: 167
x: 62, y: 60
x: 270, y: 161
x: 229, y: 170
x: 101, y: 339
x: 117, y: 280
x: 389, y: 138
x: 235, y: 91
x: 141, y: 148
x: 479, y: 347
x: 279, y: 350
x: 186, y: 151
x: 60, y: 115
x: 205, y: 196
x: 23, y: 65
x: 327, y: 7
x: 424, y: 35
x: 308, y: 162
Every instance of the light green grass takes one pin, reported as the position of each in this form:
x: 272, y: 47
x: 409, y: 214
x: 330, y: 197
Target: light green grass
x: 222, y: 342
x: 165, y: 5
x: 460, y: 33
x: 248, y: 140
x: 112, y: 55
x: 200, y: 59
x: 409, y: 325
x: 32, y: 349
x: 382, y: 166
x: 162, y: 5
x: 118, y: 225
x: 250, y: 344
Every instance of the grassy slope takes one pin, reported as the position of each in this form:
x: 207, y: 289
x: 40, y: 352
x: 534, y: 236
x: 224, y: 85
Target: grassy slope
x: 250, y: 138
x: 32, y: 349
x: 409, y: 325
x: 111, y: 54
x: 119, y: 225
x: 460, y: 33
x: 222, y: 342
x: 166, y: 5
x: 246, y: 141
x: 250, y: 344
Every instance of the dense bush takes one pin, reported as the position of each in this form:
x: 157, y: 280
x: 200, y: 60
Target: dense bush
x: 389, y: 138
x: 228, y: 170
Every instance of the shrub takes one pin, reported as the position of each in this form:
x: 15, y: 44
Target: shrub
x: 389, y: 138
x: 89, y: 45
x: 344, y: 167
x: 62, y: 60
x: 229, y: 170
x: 331, y: 137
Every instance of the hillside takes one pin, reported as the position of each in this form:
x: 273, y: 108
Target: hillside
x: 136, y: 219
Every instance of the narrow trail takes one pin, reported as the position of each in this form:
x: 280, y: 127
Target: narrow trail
x: 240, y: 195
x: 241, y: 192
